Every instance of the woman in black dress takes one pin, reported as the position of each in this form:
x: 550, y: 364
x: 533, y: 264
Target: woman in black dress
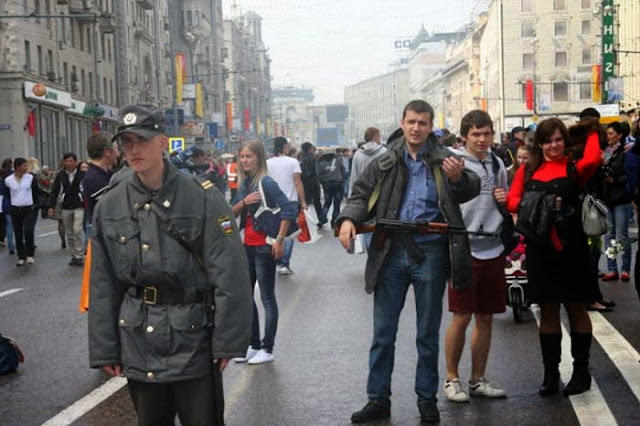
x: 558, y: 252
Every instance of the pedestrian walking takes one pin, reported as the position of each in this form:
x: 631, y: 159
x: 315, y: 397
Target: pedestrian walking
x: 486, y: 295
x: 416, y: 180
x: 22, y: 189
x: 548, y: 187
x: 331, y: 175
x: 169, y: 301
x: 287, y: 174
x: 68, y: 183
x: 308, y: 168
x: 6, y: 226
x: 262, y: 250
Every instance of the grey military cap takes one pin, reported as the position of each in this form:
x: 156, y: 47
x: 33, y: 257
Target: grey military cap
x: 145, y: 121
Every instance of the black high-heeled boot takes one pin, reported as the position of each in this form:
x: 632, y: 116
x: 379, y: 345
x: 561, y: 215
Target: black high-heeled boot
x: 551, y: 351
x: 581, y: 378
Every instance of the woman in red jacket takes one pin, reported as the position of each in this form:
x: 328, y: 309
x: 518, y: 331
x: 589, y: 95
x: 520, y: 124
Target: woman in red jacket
x: 556, y: 259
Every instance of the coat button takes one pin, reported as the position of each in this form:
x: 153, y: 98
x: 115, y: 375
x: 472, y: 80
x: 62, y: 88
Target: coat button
x: 122, y: 239
x: 122, y: 322
x: 150, y: 329
x: 146, y: 247
x: 136, y: 206
x: 150, y: 375
x: 147, y: 206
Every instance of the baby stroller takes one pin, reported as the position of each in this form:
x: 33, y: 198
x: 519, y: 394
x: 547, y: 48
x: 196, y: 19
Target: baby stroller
x: 515, y: 271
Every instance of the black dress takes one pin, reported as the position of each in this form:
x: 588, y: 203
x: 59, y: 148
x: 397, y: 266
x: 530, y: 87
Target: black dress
x: 560, y: 276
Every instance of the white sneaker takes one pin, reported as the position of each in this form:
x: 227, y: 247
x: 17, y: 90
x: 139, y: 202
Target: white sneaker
x: 250, y: 354
x: 261, y: 358
x: 453, y: 390
x: 284, y: 270
x: 21, y: 262
x: 30, y: 260
x: 483, y: 387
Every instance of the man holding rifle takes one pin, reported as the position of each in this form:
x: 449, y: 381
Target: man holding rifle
x: 417, y: 180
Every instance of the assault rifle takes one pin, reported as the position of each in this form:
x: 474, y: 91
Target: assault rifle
x: 391, y: 227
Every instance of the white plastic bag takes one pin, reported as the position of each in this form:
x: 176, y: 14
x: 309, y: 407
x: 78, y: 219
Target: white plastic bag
x: 312, y: 222
x: 359, y: 244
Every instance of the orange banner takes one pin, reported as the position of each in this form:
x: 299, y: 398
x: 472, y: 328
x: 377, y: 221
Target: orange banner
x: 596, y: 81
x: 181, y: 75
x: 229, y: 117
x: 199, y: 101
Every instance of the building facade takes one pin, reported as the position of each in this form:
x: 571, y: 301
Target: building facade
x: 628, y: 17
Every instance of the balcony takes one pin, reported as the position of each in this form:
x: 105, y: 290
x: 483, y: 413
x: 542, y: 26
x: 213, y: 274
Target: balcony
x: 200, y: 30
x: 108, y: 23
x: 84, y: 7
x: 145, y: 4
x: 142, y: 32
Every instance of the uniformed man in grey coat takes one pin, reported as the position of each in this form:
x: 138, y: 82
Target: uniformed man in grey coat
x: 170, y: 299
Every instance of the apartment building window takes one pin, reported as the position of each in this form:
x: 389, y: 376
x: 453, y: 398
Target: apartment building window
x: 65, y: 75
x: 89, y: 39
x: 109, y: 49
x: 64, y: 28
x: 83, y: 82
x: 560, y: 28
x: 189, y: 19
x: 27, y: 55
x: 73, y: 34
x: 81, y: 38
x: 559, y: 5
x: 37, y: 9
x: 585, y: 91
x: 586, y: 57
x: 103, y: 39
x: 104, y: 86
x: 527, y: 30
x: 585, y: 27
x: 586, y: 4
x: 90, y: 84
x: 50, y: 60
x: 526, y: 6
x: 561, y: 59
x: 560, y: 92
x: 40, y: 64
x: 528, y: 61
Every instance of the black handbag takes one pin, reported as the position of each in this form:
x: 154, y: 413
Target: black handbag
x: 535, y: 216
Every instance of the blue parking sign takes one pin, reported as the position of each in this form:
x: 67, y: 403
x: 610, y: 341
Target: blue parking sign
x: 176, y: 144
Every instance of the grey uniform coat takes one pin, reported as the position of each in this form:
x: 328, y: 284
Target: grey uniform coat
x: 392, y: 169
x: 130, y: 247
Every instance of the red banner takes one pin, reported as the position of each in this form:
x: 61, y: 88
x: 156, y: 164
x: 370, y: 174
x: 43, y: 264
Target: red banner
x: 529, y: 94
x: 247, y: 120
x: 30, y: 125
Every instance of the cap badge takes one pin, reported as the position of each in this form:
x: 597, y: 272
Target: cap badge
x: 129, y: 118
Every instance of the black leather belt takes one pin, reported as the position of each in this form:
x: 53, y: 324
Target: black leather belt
x: 152, y: 295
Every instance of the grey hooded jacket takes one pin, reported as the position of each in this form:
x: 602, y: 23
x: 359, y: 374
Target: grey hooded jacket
x: 392, y: 169
x: 131, y: 247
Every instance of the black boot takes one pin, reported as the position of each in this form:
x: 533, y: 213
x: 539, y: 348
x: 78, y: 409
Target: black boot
x: 551, y: 350
x: 581, y: 378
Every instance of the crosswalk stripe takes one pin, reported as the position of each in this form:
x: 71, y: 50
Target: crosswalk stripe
x: 590, y: 407
x: 619, y: 350
x: 8, y: 292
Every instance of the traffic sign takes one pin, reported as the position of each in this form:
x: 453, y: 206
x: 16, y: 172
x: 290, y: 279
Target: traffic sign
x: 219, y: 144
x: 176, y: 144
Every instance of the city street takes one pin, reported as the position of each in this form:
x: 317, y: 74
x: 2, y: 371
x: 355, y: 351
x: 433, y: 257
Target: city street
x: 321, y: 354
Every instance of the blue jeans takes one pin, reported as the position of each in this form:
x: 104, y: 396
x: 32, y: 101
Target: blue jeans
x: 332, y: 195
x: 262, y: 267
x: 619, y: 219
x: 286, y: 256
x: 9, y: 232
x: 429, y: 282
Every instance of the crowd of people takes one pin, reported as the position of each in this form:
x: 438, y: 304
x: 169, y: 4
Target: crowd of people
x: 537, y: 176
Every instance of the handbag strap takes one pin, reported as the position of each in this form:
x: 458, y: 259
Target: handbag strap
x: 263, y: 201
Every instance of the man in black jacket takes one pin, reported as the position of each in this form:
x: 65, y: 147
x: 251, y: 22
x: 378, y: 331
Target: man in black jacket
x: 68, y: 182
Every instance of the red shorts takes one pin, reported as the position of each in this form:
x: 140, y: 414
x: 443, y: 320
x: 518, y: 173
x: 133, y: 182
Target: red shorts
x: 487, y: 293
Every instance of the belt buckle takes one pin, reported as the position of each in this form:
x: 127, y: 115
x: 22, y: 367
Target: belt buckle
x: 150, y: 295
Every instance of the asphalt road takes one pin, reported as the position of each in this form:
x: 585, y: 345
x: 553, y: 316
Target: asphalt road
x: 321, y: 354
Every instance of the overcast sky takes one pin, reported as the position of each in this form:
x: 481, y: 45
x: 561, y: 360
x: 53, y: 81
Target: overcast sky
x: 327, y: 44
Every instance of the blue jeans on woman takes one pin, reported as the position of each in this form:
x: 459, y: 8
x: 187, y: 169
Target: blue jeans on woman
x: 619, y: 220
x: 429, y: 280
x: 262, y: 267
x: 9, y: 232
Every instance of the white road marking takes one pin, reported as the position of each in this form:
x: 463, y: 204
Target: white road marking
x: 86, y: 404
x: 47, y: 234
x: 11, y: 291
x: 590, y: 407
x: 619, y: 350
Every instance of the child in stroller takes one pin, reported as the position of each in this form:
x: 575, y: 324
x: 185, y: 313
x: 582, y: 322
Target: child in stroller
x: 515, y: 271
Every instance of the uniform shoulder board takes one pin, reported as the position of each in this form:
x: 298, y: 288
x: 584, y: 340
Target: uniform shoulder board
x: 206, y: 184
